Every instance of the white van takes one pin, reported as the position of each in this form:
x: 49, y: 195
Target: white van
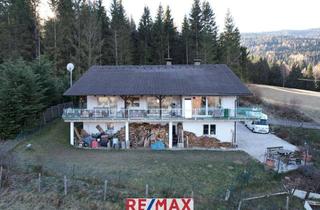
x: 259, y: 126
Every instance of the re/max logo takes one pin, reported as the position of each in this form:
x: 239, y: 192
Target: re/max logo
x: 159, y: 204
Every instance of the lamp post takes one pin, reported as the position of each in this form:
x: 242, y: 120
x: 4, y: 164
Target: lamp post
x: 70, y: 68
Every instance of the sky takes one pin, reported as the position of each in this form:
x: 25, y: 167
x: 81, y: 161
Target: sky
x: 249, y: 15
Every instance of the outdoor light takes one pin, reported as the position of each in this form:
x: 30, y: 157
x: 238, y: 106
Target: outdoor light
x: 70, y: 68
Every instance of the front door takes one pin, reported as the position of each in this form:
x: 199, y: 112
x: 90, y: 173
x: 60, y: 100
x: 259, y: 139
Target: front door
x: 187, y: 108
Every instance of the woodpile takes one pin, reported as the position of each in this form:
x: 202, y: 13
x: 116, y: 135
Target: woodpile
x: 144, y: 134
x: 204, y: 141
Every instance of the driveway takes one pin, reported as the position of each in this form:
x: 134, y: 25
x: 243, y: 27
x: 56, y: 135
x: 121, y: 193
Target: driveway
x: 256, y: 144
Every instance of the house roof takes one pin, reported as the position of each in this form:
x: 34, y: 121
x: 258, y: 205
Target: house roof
x: 188, y: 80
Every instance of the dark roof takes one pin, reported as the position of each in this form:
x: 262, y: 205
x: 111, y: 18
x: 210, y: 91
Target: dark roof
x: 188, y: 80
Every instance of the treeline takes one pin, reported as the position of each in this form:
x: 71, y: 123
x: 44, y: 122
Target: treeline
x: 296, y: 75
x: 86, y: 34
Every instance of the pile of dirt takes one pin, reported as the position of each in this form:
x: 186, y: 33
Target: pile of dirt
x: 204, y: 141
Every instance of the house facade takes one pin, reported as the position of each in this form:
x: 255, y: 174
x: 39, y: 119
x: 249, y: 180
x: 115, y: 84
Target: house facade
x: 180, y: 105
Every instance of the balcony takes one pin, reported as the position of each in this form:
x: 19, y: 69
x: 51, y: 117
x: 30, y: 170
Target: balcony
x: 241, y: 113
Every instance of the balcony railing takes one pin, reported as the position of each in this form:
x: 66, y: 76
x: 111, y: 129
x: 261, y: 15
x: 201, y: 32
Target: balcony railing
x: 240, y: 113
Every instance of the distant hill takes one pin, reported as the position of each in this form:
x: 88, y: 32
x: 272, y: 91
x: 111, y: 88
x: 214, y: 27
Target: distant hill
x: 288, y: 45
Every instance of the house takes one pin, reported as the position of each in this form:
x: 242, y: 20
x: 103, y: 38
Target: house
x: 182, y: 105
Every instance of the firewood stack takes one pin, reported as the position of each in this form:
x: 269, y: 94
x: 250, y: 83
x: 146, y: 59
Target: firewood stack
x: 144, y: 134
x: 203, y: 141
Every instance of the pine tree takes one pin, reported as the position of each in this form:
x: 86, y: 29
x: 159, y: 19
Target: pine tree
x: 170, y: 34
x: 230, y: 42
x: 19, y: 37
x: 21, y: 97
x: 106, y: 36
x: 120, y: 30
x: 145, y: 37
x: 196, y: 28
x: 158, y: 38
x: 208, y: 38
x: 91, y: 41
x: 186, y: 40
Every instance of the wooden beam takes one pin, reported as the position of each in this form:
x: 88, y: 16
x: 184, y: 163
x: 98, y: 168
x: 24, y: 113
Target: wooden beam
x: 160, y: 98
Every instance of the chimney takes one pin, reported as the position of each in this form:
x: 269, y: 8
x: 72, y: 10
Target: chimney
x: 169, y: 61
x: 197, y: 61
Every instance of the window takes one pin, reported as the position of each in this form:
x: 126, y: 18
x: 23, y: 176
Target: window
x: 212, y: 129
x: 213, y: 101
x: 209, y: 129
x: 133, y: 102
x: 205, y: 129
x: 106, y: 101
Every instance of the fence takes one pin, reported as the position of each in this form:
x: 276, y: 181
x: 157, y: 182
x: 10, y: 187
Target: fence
x: 50, y: 114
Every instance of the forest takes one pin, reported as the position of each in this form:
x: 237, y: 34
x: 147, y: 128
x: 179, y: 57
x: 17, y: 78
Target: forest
x: 34, y: 53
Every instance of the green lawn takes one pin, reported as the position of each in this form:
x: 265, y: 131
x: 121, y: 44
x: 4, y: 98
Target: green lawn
x: 168, y: 173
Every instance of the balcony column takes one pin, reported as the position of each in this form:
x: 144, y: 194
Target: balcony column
x: 72, y: 133
x: 127, y: 131
x: 170, y: 135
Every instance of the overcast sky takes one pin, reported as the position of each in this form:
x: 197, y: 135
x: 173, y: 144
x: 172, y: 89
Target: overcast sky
x: 249, y: 15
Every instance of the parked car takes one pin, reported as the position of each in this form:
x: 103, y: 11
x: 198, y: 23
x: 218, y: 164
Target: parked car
x: 259, y: 126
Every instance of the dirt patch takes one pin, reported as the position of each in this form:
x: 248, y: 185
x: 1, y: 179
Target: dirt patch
x: 204, y: 141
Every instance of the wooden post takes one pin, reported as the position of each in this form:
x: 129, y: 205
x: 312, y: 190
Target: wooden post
x: 105, y: 190
x: 65, y: 185
x: 160, y: 105
x: 1, y: 171
x: 72, y: 133
x: 170, y: 135
x: 287, y: 203
x: 147, y: 190
x: 39, y: 182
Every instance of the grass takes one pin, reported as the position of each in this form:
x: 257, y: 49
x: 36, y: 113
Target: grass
x: 208, y: 174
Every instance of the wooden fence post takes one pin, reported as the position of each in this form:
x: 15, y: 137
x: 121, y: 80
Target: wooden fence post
x: 287, y: 203
x: 105, y: 190
x: 1, y: 170
x: 39, y: 182
x: 147, y: 190
x: 65, y: 185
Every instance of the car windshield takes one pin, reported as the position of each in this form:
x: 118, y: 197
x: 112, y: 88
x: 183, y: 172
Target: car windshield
x: 261, y: 122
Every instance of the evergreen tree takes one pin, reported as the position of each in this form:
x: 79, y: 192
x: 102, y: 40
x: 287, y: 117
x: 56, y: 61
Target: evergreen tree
x: 135, y: 43
x: 230, y: 42
x: 208, y: 38
x: 19, y: 32
x: 158, y: 37
x: 294, y: 76
x: 186, y: 40
x: 21, y: 97
x: 104, y: 22
x: 196, y: 28
x: 120, y: 30
x: 65, y: 30
x: 170, y: 34
x: 145, y: 37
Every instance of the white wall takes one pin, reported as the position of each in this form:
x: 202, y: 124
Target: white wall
x: 228, y: 102
x: 90, y: 127
x: 224, y: 129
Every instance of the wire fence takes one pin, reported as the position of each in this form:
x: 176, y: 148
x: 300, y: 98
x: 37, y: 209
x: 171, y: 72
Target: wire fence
x: 112, y: 189
x: 50, y: 114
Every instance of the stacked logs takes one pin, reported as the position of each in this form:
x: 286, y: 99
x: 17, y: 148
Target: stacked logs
x: 203, y: 141
x: 144, y: 134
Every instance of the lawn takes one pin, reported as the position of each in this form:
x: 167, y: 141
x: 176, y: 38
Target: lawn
x: 208, y: 174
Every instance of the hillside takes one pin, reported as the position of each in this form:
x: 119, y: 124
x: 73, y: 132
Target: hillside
x: 301, y: 100
x: 287, y: 45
